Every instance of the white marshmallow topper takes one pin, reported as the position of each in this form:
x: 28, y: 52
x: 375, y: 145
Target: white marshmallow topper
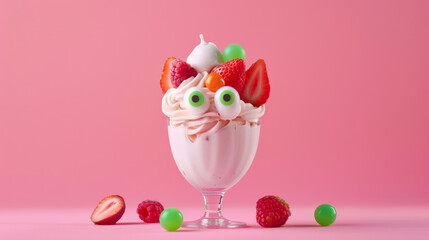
x: 204, y: 56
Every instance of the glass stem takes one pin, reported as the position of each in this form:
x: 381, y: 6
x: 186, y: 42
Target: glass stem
x: 213, y: 205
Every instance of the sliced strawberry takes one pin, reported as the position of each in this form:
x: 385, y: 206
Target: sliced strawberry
x: 165, y: 78
x: 109, y: 210
x: 257, y: 87
x: 233, y: 73
x: 175, y: 72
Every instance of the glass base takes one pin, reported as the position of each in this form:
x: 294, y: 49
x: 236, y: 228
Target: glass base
x: 206, y: 222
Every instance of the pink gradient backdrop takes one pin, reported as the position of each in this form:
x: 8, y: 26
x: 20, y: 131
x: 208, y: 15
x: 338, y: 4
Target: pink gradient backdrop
x: 80, y: 103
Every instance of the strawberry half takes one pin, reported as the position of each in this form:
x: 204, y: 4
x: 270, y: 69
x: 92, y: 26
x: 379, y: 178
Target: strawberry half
x: 175, y: 71
x: 233, y: 73
x: 109, y: 210
x: 256, y: 87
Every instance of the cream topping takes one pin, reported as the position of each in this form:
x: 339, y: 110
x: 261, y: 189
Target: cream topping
x: 174, y: 108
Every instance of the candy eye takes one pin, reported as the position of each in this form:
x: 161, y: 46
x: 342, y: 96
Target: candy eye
x: 227, y: 102
x: 195, y: 101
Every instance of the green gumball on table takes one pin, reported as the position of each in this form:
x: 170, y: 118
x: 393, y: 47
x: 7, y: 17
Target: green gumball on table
x: 325, y: 214
x: 171, y: 219
x: 233, y: 51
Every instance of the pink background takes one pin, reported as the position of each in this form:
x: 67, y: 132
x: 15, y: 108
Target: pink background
x: 80, y: 103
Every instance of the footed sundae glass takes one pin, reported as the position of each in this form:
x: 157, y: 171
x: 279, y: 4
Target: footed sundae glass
x: 214, y: 105
x: 213, y: 162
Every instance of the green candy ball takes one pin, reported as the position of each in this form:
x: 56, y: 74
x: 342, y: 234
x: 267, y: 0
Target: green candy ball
x: 325, y: 214
x: 171, y: 219
x: 233, y: 51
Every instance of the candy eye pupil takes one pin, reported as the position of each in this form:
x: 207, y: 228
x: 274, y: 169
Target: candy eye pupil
x: 195, y: 98
x: 227, y: 97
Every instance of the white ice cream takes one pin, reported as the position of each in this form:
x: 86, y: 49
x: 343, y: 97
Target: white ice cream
x: 215, y: 161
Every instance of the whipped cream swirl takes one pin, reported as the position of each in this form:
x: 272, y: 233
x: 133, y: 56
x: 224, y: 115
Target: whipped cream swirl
x: 174, y: 108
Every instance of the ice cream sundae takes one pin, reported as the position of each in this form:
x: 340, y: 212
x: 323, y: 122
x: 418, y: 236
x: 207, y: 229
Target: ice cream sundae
x: 214, y: 110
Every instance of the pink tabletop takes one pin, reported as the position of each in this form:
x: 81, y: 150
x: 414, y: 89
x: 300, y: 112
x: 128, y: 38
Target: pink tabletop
x: 352, y: 223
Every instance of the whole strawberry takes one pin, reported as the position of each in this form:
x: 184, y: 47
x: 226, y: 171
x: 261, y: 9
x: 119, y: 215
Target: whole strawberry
x: 149, y: 211
x: 272, y: 211
x: 233, y: 73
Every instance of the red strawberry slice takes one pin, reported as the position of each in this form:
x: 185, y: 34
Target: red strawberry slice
x: 165, y: 78
x: 175, y: 71
x: 233, y: 73
x: 257, y: 87
x: 109, y: 210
